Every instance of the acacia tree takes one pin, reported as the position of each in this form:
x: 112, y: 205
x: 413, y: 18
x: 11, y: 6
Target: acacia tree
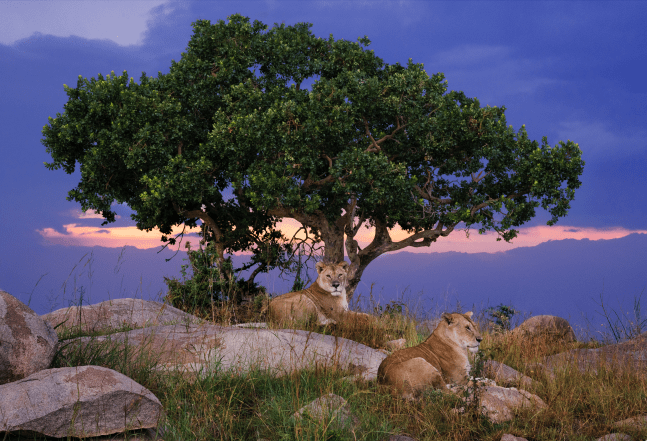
x: 388, y: 146
x: 368, y: 142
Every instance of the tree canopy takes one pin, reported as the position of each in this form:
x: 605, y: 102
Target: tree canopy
x: 254, y: 125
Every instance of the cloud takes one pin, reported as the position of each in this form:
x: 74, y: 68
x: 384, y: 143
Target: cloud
x: 113, y: 237
x: 495, y: 71
x: 594, y: 137
x: 485, y: 243
x: 116, y: 237
x: 90, y: 214
x: 122, y: 22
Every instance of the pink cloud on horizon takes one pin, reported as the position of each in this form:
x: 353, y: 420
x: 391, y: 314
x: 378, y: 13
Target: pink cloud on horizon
x: 116, y: 237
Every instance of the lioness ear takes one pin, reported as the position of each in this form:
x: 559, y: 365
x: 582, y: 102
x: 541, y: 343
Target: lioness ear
x: 446, y: 317
x: 469, y: 314
x: 320, y: 266
x: 343, y: 264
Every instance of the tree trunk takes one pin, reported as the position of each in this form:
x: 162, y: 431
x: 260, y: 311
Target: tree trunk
x: 332, y: 234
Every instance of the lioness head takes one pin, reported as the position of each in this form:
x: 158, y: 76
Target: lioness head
x: 462, y: 330
x: 333, y: 277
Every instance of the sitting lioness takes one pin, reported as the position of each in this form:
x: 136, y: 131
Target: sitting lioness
x: 325, y: 299
x: 440, y: 359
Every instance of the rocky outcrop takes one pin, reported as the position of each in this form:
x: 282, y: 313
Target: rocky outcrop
x: 27, y: 343
x: 631, y: 354
x: 203, y: 348
x: 117, y: 314
x: 545, y: 325
x: 77, y: 401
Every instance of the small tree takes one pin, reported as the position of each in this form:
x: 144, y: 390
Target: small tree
x: 501, y: 316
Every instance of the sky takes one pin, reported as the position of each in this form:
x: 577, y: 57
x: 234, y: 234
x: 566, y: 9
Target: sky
x: 567, y: 70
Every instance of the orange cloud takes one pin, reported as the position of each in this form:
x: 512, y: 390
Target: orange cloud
x: 484, y: 243
x: 113, y: 237
x: 117, y: 237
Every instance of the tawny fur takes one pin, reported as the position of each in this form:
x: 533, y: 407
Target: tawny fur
x: 439, y: 360
x: 325, y: 299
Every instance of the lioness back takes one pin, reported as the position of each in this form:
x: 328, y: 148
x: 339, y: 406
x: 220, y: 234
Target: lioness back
x: 442, y: 358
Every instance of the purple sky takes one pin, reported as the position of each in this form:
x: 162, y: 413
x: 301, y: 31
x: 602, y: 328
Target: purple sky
x: 567, y: 70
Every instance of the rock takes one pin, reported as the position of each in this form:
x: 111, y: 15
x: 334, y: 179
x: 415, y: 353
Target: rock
x: 508, y: 437
x: 506, y: 376
x: 27, y: 343
x: 77, y: 401
x: 631, y: 354
x: 400, y: 438
x: 636, y: 423
x: 327, y: 409
x: 499, y: 403
x: 394, y: 345
x: 118, y: 313
x: 251, y: 325
x: 131, y: 435
x: 427, y: 326
x: 615, y: 437
x: 200, y: 349
x: 550, y: 325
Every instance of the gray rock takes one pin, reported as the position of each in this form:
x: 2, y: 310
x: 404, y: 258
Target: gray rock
x: 427, y: 326
x: 550, y: 325
x: 508, y: 437
x: 77, y: 401
x: 117, y: 313
x: 615, y: 437
x: 199, y: 349
x: 631, y: 354
x: 394, y: 345
x: 506, y: 376
x: 327, y: 409
x: 637, y: 423
x: 499, y: 403
x: 400, y: 438
x: 27, y: 343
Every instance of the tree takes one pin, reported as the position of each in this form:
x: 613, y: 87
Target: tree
x: 368, y: 143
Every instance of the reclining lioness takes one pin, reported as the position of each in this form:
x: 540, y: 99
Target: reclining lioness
x: 325, y: 299
x: 440, y: 359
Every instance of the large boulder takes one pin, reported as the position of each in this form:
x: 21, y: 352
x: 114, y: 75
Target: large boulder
x: 203, y: 348
x: 118, y: 313
x: 77, y: 402
x: 27, y: 343
x: 546, y: 325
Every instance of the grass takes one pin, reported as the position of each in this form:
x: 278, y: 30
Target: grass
x: 257, y: 405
